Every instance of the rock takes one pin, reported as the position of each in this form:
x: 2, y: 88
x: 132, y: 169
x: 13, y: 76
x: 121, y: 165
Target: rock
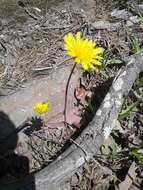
x: 133, y: 20
x: 140, y: 7
x: 4, y: 37
x: 129, y: 23
x: 121, y: 14
x: 51, y: 88
x: 106, y: 25
x: 74, y: 180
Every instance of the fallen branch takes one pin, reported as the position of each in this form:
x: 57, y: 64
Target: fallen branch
x: 93, y: 135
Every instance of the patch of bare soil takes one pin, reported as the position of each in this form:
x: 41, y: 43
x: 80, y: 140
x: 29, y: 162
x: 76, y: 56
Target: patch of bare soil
x: 31, y: 46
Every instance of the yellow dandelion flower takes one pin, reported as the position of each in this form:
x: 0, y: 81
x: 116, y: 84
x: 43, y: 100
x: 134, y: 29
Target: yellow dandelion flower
x: 83, y: 50
x: 41, y: 107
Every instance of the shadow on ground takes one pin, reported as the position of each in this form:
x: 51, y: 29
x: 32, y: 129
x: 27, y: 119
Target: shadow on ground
x: 13, y: 167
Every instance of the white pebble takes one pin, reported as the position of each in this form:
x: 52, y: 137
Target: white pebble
x: 123, y: 74
x: 118, y: 84
x: 99, y: 112
x: 107, y: 104
x: 118, y: 103
x: 107, y: 131
x: 120, y: 96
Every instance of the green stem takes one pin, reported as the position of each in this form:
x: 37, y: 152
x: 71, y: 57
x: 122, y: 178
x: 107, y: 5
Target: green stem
x: 66, y: 92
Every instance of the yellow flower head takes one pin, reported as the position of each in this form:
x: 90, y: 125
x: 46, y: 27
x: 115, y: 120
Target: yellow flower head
x: 41, y: 107
x: 83, y: 50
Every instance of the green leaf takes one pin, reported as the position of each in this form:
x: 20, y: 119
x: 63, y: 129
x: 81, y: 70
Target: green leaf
x: 114, y: 147
x: 115, y: 133
x: 114, y: 62
x: 139, y: 82
x: 89, y: 105
x: 136, y: 45
x: 139, y: 156
x: 126, y: 112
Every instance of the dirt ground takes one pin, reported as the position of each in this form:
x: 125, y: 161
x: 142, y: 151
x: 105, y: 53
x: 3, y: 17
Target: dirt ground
x: 30, y: 44
x: 31, y: 49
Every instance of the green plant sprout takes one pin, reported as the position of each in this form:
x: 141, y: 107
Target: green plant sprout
x: 126, y: 112
x: 136, y: 45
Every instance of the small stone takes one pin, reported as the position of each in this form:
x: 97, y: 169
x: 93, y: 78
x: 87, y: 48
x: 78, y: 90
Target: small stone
x: 140, y: 7
x: 123, y: 74
x: 107, y: 104
x: 134, y: 19
x: 106, y: 25
x: 99, y: 112
x: 74, y: 180
x: 102, y: 25
x: 118, y: 103
x: 129, y: 23
x: 107, y: 131
x: 4, y: 37
x: 140, y: 151
x: 118, y: 85
x: 121, y: 14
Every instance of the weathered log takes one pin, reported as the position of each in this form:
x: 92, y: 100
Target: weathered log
x: 92, y: 136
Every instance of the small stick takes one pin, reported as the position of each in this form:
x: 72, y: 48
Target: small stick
x: 79, y: 146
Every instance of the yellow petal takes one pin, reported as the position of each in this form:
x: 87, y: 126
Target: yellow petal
x: 77, y: 60
x: 92, y: 66
x: 71, y: 53
x: 96, y: 62
x: 85, y: 66
x: 78, y: 36
x: 69, y: 39
x: 98, y: 50
x: 99, y: 57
